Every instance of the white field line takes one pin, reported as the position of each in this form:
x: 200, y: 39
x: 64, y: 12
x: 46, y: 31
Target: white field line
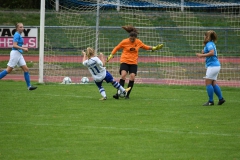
x: 64, y: 95
x: 130, y: 129
x: 146, y: 99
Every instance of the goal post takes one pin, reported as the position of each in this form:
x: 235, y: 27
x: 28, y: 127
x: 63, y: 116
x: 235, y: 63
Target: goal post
x: 178, y: 24
x: 41, y: 46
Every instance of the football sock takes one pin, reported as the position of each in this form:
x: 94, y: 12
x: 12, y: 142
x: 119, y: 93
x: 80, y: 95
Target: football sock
x: 118, y: 86
x: 121, y: 82
x: 27, y: 78
x: 210, y: 92
x: 102, y: 92
x: 217, y: 91
x: 130, y: 84
x: 3, y: 74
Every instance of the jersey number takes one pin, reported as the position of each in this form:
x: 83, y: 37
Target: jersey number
x: 95, y: 70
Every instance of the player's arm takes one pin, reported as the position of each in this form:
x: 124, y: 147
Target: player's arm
x: 15, y: 45
x: 157, y: 47
x: 110, y: 57
x: 102, y: 58
x: 84, y: 56
x: 118, y: 47
x: 209, y: 54
x: 144, y: 46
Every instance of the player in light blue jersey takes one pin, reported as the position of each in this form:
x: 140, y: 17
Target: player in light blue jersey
x: 16, y: 57
x: 213, y: 67
x: 99, y: 73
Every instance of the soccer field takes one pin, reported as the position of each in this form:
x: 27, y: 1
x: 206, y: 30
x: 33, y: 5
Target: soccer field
x: 59, y: 122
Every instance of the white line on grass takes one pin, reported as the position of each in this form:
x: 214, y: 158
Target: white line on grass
x: 131, y: 129
x: 166, y: 131
x: 63, y: 95
x: 199, y: 90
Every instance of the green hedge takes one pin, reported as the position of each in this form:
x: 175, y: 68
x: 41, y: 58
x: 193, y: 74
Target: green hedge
x: 20, y: 4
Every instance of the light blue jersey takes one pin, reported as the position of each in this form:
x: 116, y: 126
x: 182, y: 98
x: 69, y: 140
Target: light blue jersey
x: 18, y: 38
x: 213, y: 60
x: 95, y: 67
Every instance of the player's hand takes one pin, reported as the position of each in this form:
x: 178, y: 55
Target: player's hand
x: 25, y: 49
x: 83, y: 52
x: 157, y: 47
x: 199, y: 55
x: 101, y: 55
x: 109, y: 57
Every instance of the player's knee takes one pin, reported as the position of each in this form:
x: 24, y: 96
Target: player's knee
x: 9, y: 69
x: 25, y: 68
x: 132, y: 76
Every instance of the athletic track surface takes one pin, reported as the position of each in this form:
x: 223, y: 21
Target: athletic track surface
x: 35, y: 58
x: 78, y: 59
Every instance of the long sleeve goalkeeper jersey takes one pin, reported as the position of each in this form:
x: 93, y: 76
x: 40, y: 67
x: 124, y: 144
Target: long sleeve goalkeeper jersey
x: 130, y: 50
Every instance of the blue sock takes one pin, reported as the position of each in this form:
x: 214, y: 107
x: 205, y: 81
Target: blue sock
x: 27, y: 78
x: 3, y: 74
x: 210, y: 92
x: 115, y: 84
x: 217, y: 91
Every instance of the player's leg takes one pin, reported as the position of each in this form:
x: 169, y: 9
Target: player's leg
x: 121, y: 83
x: 5, y: 72
x: 211, y: 75
x: 115, y: 84
x: 133, y: 73
x: 14, y: 57
x: 123, y: 72
x: 130, y: 84
x: 122, y: 80
x: 218, y: 92
x: 216, y: 88
x: 210, y: 91
x: 101, y: 90
x: 25, y: 69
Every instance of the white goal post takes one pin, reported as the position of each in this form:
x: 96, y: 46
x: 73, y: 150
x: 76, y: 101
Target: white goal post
x: 41, y: 43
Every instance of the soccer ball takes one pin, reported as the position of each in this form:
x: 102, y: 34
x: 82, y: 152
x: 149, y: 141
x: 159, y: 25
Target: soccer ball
x: 121, y: 94
x: 84, y: 80
x: 67, y: 80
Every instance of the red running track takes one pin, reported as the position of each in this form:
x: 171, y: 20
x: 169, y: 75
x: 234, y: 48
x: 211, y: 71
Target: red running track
x: 35, y: 58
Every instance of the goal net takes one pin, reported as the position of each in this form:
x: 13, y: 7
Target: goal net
x: 73, y: 25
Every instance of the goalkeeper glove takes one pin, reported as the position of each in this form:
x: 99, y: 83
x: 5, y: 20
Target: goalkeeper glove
x: 157, y: 47
x: 109, y: 57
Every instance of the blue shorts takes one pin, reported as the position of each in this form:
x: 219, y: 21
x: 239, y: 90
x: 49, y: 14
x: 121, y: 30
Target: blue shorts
x: 108, y: 78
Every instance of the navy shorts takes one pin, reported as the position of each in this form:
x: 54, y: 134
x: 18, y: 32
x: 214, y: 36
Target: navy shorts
x: 108, y: 79
x: 129, y: 68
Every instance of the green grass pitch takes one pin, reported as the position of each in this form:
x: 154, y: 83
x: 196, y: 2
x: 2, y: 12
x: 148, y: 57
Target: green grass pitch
x: 60, y: 122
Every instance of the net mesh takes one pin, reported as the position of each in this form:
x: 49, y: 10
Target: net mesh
x: 79, y: 24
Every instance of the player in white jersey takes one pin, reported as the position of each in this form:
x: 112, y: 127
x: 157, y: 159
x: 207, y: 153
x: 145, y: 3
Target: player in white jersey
x: 16, y: 57
x: 99, y: 73
x: 213, y: 67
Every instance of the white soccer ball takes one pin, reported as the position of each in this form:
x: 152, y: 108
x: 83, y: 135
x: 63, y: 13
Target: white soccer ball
x: 121, y: 94
x: 67, y: 80
x: 84, y: 80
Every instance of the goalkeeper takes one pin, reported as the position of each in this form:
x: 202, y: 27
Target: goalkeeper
x: 129, y: 56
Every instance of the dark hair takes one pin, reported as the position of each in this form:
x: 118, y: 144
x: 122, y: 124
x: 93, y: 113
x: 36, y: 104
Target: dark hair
x: 133, y: 32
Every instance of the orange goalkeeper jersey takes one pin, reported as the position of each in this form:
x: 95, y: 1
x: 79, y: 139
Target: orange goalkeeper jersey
x: 130, y: 50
